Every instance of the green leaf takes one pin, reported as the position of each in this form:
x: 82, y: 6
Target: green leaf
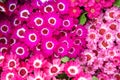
x: 94, y: 78
x: 117, y: 3
x: 65, y: 59
x: 83, y: 18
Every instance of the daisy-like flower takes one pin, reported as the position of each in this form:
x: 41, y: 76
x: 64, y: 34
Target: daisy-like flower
x: 62, y: 6
x: 81, y: 31
x: 116, y: 61
x: 103, y: 76
x: 11, y: 62
x: 38, y: 75
x: 83, y: 76
x: 24, y: 11
x: 112, y: 52
x: 103, y: 54
x: 98, y: 63
x: 109, y: 68
x: 46, y: 32
x: 5, y: 27
x: 20, y: 49
x: 54, y: 68
x: 110, y: 14
x: 61, y: 49
x: 53, y: 20
x: 93, y: 10
x: 12, y: 4
x: 32, y: 38
x: 9, y: 75
x: 36, y: 61
x: 19, y: 32
x: 72, y: 68
x: 36, y: 20
x: 90, y: 56
x: 49, y: 7
x: 75, y: 12
x: 48, y: 45
x: 67, y: 23
x: 92, y: 36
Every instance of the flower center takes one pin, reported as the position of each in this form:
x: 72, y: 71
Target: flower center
x: 23, y: 72
x: 61, y: 6
x: 54, y: 69
x: 9, y: 76
x: 38, y: 21
x: 118, y: 35
x: 4, y: 28
x: 112, y: 27
x: 52, y: 21
x: 60, y: 50
x: 102, y: 31
x: 20, y: 50
x: 12, y: 64
x: 66, y: 23
x: 49, y: 45
x: 12, y: 7
x: 92, y: 36
x: 24, y: 14
x: 92, y: 10
x: 48, y: 8
x: 79, y: 32
x: 32, y: 37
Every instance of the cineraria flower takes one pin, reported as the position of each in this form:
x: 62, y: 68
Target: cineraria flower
x: 61, y: 49
x: 5, y: 27
x: 32, y: 38
x: 46, y: 32
x: 62, y: 6
x: 24, y: 11
x: 75, y: 12
x: 11, y: 62
x: 83, y: 76
x: 54, y: 68
x: 109, y: 68
x: 36, y: 20
x: 20, y: 49
x: 36, y: 61
x: 48, y: 45
x: 53, y: 20
x: 38, y: 75
x: 72, y: 68
x: 68, y: 23
x: 9, y: 75
x: 12, y: 4
x: 110, y: 14
x: 93, y: 11
x: 49, y: 7
x: 103, y: 76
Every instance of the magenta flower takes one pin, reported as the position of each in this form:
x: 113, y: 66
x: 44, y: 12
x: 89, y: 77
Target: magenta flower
x: 93, y: 10
x: 72, y: 68
x: 20, y: 49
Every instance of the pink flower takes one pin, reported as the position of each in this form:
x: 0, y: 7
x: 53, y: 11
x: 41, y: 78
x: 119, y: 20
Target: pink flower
x: 36, y: 61
x: 93, y: 10
x: 32, y: 38
x: 72, y: 68
x: 62, y: 6
x: 103, y: 76
x: 11, y: 62
x: 9, y: 75
x: 2, y: 58
x: 36, y: 20
x: 54, y: 68
x: 75, y: 12
x: 38, y: 75
x: 83, y: 76
x: 5, y: 27
x: 48, y: 45
x: 20, y: 49
x: 109, y: 3
x: 53, y: 20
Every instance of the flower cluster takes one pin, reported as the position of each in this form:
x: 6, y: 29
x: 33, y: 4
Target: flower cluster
x: 44, y: 40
